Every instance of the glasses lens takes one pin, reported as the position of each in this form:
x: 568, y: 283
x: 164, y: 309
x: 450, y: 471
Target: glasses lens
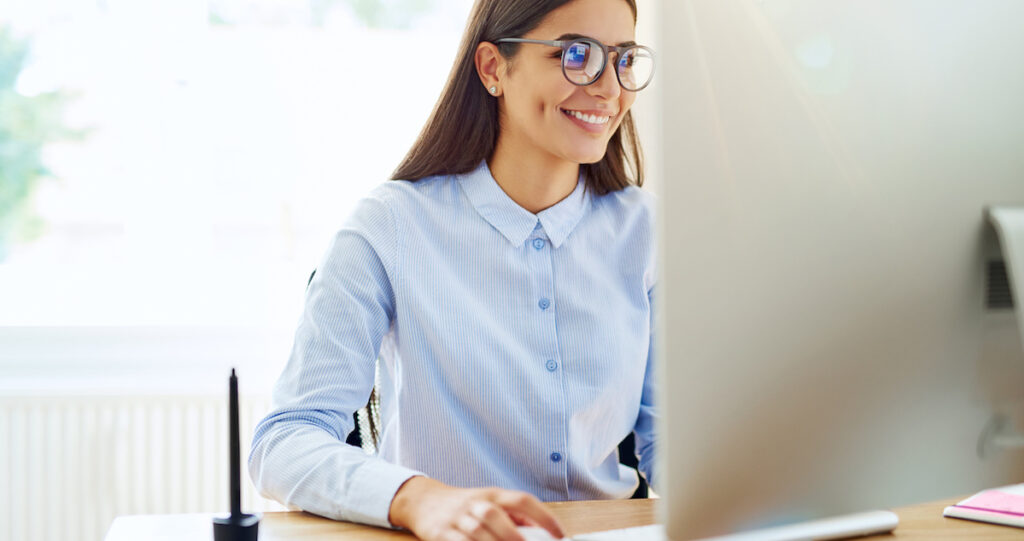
x: 636, y: 67
x: 582, y: 62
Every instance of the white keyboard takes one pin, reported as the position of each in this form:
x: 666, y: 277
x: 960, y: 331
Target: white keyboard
x: 841, y: 527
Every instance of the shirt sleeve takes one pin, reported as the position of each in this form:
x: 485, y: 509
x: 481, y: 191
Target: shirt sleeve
x: 299, y: 455
x: 646, y: 418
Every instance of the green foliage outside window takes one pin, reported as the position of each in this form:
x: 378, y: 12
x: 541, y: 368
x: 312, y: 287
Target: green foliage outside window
x: 27, y: 125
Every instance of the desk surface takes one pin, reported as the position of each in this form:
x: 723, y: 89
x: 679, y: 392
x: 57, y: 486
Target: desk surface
x: 917, y: 522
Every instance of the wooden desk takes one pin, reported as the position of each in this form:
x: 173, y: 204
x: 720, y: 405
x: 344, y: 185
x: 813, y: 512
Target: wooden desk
x: 917, y: 522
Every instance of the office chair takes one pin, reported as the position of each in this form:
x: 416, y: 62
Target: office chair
x: 366, y: 434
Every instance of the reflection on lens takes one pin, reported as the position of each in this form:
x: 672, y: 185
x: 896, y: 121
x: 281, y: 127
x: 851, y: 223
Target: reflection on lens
x: 635, y: 67
x: 575, y: 57
x: 596, y: 63
x: 582, y: 62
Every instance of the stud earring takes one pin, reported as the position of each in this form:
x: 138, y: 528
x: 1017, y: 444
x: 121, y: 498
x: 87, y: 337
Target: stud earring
x: 494, y: 90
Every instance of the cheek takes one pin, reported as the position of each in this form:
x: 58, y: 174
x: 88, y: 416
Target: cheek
x: 540, y: 101
x: 540, y: 91
x: 556, y: 91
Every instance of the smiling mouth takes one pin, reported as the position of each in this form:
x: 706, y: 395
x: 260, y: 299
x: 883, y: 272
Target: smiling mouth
x: 588, y: 118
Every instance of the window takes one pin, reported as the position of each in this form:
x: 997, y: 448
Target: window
x: 216, y: 147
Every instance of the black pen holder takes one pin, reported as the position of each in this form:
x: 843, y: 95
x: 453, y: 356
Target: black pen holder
x: 238, y: 528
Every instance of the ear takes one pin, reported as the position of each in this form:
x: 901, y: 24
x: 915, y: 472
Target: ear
x: 490, y: 66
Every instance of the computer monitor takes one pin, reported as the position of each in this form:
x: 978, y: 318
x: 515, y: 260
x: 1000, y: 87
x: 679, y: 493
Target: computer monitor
x: 824, y: 345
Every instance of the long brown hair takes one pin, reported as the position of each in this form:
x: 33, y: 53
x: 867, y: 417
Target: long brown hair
x: 463, y: 128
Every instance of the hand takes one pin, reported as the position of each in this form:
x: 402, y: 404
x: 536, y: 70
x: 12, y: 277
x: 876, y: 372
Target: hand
x: 435, y: 511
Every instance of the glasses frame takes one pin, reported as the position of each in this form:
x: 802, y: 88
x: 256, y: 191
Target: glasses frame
x: 566, y: 44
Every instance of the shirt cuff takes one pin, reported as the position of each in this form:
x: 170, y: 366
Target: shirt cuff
x: 372, y: 489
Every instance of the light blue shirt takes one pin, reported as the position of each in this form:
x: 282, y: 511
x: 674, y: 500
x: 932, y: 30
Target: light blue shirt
x: 515, y: 349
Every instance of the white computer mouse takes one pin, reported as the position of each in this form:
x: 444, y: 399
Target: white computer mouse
x: 534, y: 533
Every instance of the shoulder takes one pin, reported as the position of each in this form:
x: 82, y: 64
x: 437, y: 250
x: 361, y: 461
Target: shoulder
x: 630, y: 214
x: 393, y: 199
x: 635, y: 196
x: 426, y: 192
x: 395, y: 208
x: 629, y: 206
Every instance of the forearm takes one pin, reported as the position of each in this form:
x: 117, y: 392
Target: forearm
x: 302, y: 465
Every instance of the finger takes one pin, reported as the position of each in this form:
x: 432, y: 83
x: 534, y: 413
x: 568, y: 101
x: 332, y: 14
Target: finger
x: 474, y: 528
x: 529, y: 507
x: 496, y: 520
x: 522, y: 520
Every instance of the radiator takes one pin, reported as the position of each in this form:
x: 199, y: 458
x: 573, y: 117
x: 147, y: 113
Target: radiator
x: 69, y: 465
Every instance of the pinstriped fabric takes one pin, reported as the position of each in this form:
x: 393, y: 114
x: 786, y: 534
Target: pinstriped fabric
x: 514, y: 348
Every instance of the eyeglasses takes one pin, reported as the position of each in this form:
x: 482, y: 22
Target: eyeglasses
x: 584, y: 61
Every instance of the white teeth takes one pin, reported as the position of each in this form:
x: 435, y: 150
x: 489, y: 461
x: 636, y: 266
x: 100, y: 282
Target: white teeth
x: 590, y: 119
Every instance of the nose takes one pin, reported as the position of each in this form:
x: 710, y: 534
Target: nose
x: 607, y: 86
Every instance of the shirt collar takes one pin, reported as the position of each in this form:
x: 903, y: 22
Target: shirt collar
x: 515, y: 222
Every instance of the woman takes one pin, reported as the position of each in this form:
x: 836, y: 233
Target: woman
x: 505, y: 285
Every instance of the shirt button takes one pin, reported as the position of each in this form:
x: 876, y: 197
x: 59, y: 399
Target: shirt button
x: 544, y: 304
x: 556, y: 457
x: 538, y: 244
x: 551, y: 365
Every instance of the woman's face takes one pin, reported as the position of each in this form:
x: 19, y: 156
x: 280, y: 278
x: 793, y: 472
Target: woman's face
x: 539, y: 103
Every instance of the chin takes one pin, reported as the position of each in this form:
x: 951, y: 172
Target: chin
x: 583, y: 154
x: 588, y: 157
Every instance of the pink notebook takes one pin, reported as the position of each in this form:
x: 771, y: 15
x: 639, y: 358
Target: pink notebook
x: 1004, y: 505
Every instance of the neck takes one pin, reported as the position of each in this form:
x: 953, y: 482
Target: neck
x: 534, y: 180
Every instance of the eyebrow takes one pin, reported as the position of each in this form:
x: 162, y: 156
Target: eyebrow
x: 564, y: 37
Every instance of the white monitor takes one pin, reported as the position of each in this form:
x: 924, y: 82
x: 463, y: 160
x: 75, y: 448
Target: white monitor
x: 824, y: 341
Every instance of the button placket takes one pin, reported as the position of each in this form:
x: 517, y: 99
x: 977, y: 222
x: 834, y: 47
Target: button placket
x: 540, y: 252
